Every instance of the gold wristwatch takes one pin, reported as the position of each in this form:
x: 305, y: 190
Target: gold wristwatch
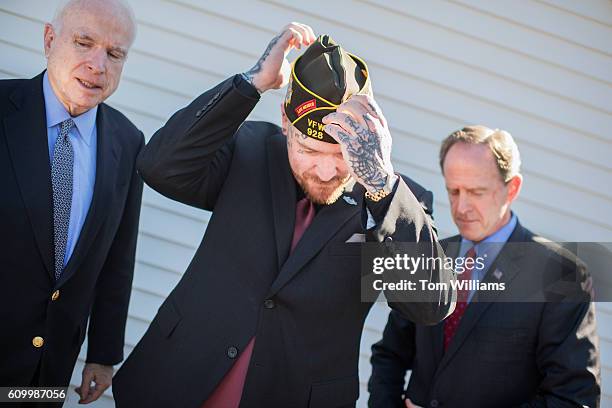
x: 376, y: 196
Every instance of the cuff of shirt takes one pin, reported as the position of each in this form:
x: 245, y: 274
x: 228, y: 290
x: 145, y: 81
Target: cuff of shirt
x: 245, y: 88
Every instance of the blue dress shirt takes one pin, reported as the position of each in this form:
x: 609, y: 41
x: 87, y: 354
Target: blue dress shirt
x: 83, y: 137
x: 488, y: 249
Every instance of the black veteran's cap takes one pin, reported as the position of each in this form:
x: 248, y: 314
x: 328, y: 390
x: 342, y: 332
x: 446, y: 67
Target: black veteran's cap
x: 322, y: 78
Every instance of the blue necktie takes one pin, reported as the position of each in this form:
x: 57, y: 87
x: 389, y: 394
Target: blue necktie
x: 61, y: 179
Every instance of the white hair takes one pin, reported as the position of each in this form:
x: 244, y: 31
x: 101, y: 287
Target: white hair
x: 66, y: 5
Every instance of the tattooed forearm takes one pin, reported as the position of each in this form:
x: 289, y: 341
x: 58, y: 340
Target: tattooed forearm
x: 257, y: 67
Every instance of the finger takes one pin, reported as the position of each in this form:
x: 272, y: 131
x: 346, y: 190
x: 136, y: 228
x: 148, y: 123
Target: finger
x: 379, y: 113
x: 333, y: 130
x: 345, y: 120
x: 331, y: 117
x: 91, y: 390
x: 336, y: 118
x: 305, y: 39
x: 367, y: 102
x: 370, y: 104
x: 371, y: 123
x: 96, y: 392
x: 88, y: 397
x: 308, y: 33
x: 85, y: 384
x: 339, y: 134
x: 344, y: 139
x: 354, y: 109
x: 296, y: 37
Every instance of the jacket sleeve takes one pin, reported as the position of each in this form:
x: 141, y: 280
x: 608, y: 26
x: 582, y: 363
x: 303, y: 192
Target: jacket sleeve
x: 112, y: 295
x: 391, y: 358
x: 408, y: 229
x: 568, y: 357
x: 188, y: 159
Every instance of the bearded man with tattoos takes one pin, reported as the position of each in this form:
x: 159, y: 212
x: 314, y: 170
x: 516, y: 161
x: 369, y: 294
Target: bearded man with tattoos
x: 270, y: 311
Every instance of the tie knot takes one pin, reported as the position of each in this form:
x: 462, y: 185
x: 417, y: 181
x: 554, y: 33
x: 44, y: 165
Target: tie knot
x: 471, y: 253
x: 65, y: 126
x: 304, y: 204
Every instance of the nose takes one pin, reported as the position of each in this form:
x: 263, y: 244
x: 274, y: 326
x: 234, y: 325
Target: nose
x: 462, y: 203
x: 326, y: 169
x: 97, y: 62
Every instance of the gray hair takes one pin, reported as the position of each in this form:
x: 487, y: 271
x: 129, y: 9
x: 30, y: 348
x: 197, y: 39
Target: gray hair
x: 66, y: 5
x: 501, y: 143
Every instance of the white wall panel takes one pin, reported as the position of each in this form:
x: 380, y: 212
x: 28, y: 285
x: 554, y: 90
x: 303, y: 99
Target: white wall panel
x: 541, y: 69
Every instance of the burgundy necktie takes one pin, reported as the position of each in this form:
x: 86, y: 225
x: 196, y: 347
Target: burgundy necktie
x: 451, y: 324
x: 229, y: 391
x: 304, y: 214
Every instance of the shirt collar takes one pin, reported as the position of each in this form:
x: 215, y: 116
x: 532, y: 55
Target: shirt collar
x: 56, y: 113
x: 500, y: 236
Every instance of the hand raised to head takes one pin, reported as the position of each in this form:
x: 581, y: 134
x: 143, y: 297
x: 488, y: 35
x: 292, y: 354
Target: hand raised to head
x: 272, y: 70
x: 360, y: 128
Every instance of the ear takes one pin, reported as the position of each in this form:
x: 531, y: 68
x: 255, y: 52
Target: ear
x: 284, y: 120
x: 514, y: 187
x: 49, y: 36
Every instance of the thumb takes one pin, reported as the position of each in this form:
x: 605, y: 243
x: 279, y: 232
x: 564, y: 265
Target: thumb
x: 291, y: 42
x: 85, y: 384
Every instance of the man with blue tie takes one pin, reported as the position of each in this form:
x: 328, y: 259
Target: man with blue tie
x: 514, y: 339
x: 71, y: 204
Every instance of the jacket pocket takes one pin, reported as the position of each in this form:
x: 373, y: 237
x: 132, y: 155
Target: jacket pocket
x: 342, y: 392
x: 168, y: 317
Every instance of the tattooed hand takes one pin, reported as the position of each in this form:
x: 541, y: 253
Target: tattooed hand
x: 272, y: 70
x: 360, y: 128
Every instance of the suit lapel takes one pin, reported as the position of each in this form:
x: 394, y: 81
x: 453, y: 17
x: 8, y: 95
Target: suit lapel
x: 325, y: 225
x: 26, y: 133
x: 283, y: 196
x: 507, y: 261
x: 327, y: 222
x: 107, y: 159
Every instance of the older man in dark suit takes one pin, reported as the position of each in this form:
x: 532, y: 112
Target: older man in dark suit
x: 70, y: 204
x: 531, y: 341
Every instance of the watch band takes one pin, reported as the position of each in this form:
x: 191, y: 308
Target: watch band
x: 377, y: 196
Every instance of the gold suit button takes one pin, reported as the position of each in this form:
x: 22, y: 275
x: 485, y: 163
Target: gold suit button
x: 38, y: 341
x: 55, y: 295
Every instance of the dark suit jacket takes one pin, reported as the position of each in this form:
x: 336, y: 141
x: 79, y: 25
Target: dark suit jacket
x: 504, y: 353
x: 305, y: 309
x: 98, y: 277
